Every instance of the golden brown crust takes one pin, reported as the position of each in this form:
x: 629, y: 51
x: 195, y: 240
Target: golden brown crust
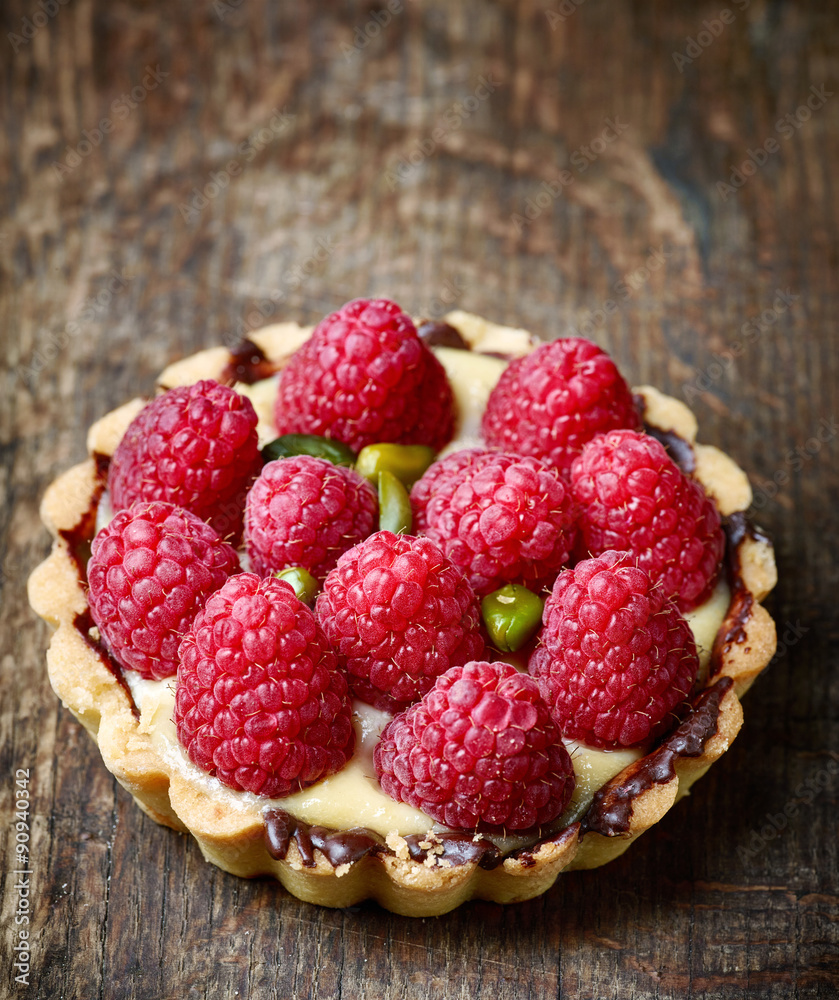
x: 80, y: 675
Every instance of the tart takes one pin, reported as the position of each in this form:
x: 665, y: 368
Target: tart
x: 342, y: 840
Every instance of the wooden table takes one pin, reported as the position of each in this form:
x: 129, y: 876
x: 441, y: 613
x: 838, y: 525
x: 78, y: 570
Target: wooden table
x: 658, y: 177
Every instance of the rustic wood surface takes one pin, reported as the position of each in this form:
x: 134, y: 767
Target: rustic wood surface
x: 168, y: 170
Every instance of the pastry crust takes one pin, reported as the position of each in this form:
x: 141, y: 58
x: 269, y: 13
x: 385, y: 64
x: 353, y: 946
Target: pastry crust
x: 637, y: 798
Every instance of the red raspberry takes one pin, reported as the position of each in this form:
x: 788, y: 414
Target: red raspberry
x: 479, y: 752
x: 260, y: 701
x: 150, y: 571
x: 399, y: 614
x: 194, y: 446
x: 618, y: 659
x: 305, y: 511
x: 501, y: 518
x: 552, y: 401
x: 636, y: 499
x: 365, y: 376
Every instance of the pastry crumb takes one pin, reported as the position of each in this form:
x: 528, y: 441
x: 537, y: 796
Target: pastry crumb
x: 342, y: 869
x: 398, y: 845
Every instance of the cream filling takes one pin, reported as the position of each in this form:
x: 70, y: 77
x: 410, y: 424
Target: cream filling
x: 472, y: 378
x: 353, y: 797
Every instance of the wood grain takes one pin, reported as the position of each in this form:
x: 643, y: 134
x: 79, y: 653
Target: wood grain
x: 407, y: 166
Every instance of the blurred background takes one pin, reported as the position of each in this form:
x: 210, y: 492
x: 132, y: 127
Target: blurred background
x: 655, y: 176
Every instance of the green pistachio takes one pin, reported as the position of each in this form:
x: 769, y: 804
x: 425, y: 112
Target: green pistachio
x: 405, y: 461
x: 305, y: 585
x: 512, y: 615
x: 394, y: 504
x: 309, y: 444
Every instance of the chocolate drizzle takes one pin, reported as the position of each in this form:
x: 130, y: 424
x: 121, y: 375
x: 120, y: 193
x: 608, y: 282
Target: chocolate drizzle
x: 439, y: 334
x: 339, y: 847
x: 456, y: 849
x: 248, y: 363
x: 526, y: 856
x: 610, y: 813
x: 737, y: 529
x: 680, y: 450
x: 83, y: 623
x: 78, y: 539
x: 345, y: 847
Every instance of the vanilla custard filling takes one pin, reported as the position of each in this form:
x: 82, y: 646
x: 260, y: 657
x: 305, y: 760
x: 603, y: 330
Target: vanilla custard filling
x: 353, y: 797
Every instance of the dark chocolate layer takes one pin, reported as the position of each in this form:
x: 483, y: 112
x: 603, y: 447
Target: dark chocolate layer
x: 610, y: 813
x: 677, y: 448
x: 78, y: 540
x: 737, y: 528
x: 83, y: 623
x: 526, y: 856
x: 439, y: 334
x: 339, y: 847
x: 248, y: 363
x: 457, y: 849
x: 680, y: 450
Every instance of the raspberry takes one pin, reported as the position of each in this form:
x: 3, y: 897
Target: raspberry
x: 551, y: 402
x: 260, y: 702
x: 636, y: 499
x: 501, y: 518
x: 399, y: 614
x: 150, y: 570
x: 479, y: 752
x: 617, y: 658
x: 305, y: 511
x: 194, y: 446
x: 363, y: 377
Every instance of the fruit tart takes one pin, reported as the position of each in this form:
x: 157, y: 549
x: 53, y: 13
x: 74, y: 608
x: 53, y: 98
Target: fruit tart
x: 417, y: 612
